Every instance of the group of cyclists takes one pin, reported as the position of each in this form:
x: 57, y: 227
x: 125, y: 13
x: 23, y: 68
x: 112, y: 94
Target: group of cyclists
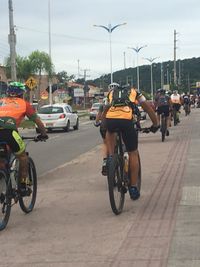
x: 119, y: 115
x: 116, y: 113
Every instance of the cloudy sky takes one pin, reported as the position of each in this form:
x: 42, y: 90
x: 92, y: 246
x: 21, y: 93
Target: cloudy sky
x: 74, y: 38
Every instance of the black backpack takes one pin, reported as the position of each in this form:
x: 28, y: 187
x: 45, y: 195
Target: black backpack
x: 120, y: 97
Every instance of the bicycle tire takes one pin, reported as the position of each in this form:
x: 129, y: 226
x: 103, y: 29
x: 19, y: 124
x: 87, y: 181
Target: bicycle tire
x: 175, y: 117
x: 163, y: 128
x: 115, y: 185
x: 5, y: 199
x: 27, y: 203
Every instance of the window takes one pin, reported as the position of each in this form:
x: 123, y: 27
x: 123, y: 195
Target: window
x: 50, y: 110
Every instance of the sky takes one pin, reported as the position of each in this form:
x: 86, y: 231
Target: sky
x: 76, y: 45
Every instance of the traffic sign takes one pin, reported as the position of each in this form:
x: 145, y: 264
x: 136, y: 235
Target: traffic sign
x: 31, y: 83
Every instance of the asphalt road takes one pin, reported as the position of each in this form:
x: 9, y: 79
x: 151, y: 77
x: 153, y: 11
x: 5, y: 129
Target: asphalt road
x: 61, y: 147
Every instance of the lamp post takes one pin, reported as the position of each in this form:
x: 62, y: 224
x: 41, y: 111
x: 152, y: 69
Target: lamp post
x: 110, y: 29
x: 137, y: 50
x: 50, y: 82
x: 151, y: 61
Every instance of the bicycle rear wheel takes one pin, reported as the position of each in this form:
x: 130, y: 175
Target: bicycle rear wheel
x: 5, y: 199
x: 163, y: 128
x: 115, y: 186
x: 27, y: 202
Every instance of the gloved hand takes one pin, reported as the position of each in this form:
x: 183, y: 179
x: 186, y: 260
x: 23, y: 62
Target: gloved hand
x: 154, y: 128
x: 42, y: 137
x: 97, y: 123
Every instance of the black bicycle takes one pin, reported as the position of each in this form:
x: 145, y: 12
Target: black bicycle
x: 10, y: 186
x: 163, y: 126
x: 119, y: 174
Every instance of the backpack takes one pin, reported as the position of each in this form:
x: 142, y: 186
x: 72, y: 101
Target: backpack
x: 163, y: 100
x: 186, y: 100
x: 120, y: 97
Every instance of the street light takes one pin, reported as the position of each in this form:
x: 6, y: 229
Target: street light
x: 137, y: 50
x: 110, y: 29
x: 151, y: 61
x: 50, y: 83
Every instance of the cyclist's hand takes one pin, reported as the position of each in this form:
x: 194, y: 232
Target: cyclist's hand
x: 154, y: 128
x: 42, y: 137
x: 97, y: 123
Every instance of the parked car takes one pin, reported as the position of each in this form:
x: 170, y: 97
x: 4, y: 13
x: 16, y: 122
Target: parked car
x: 94, y: 110
x: 58, y: 116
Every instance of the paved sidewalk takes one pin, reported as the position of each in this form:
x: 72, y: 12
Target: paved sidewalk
x: 72, y: 224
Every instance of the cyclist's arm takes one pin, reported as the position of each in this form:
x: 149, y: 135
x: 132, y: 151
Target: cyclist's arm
x: 147, y: 107
x: 32, y: 115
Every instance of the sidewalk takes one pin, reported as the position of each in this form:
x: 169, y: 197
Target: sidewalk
x: 72, y: 224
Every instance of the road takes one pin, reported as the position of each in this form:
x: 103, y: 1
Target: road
x: 73, y: 225
x: 62, y: 147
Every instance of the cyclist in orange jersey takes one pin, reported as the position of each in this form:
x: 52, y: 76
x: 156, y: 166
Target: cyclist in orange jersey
x: 13, y: 109
x: 120, y: 116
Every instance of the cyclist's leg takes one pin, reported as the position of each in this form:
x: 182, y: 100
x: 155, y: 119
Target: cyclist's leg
x: 104, y: 150
x: 112, y: 125
x: 130, y: 139
x: 18, y: 148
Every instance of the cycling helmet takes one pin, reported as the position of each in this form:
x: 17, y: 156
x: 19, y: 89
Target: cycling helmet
x: 175, y: 92
x: 160, y: 91
x: 16, y: 89
x: 113, y: 86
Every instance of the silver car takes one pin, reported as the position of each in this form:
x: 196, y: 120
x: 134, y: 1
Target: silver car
x: 58, y: 116
x: 94, y: 110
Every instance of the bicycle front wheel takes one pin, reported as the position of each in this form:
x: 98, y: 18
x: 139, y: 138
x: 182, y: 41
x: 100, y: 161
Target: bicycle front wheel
x: 115, y: 186
x: 27, y: 202
x: 5, y: 199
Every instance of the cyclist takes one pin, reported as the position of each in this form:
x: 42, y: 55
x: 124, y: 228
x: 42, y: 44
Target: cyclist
x: 100, y: 121
x: 176, y: 103
x: 186, y: 102
x: 13, y: 109
x: 163, y: 105
x: 119, y: 116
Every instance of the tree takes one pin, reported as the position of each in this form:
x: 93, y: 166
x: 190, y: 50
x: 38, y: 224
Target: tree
x: 40, y: 63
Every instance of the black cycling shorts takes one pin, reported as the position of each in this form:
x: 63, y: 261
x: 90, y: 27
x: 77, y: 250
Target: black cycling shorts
x: 126, y: 127
x: 163, y: 109
x: 176, y: 106
x: 13, y: 139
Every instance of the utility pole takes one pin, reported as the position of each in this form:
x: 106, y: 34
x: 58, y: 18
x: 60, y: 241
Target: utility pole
x: 78, y: 68
x: 12, y: 42
x: 124, y: 60
x: 85, y: 88
x: 175, y: 40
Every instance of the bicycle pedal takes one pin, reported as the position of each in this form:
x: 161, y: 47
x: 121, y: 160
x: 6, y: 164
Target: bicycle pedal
x: 124, y: 189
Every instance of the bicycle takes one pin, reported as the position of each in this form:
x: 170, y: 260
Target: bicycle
x: 163, y: 126
x: 175, y: 116
x: 10, y: 186
x: 119, y: 175
x: 187, y: 109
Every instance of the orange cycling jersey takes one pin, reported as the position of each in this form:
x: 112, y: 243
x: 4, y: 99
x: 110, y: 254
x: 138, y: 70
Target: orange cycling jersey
x: 122, y: 112
x: 13, y: 110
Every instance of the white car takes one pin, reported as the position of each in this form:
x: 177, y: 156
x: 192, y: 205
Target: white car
x: 94, y: 110
x: 58, y: 116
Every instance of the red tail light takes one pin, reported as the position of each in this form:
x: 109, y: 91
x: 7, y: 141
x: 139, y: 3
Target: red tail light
x: 62, y: 116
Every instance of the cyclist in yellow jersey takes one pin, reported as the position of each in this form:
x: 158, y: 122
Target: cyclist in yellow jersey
x: 13, y: 109
x: 121, y: 117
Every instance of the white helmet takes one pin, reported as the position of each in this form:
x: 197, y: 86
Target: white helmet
x: 113, y: 86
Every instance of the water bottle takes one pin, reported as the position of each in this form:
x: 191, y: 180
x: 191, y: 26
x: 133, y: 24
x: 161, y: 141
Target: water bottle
x: 126, y: 162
